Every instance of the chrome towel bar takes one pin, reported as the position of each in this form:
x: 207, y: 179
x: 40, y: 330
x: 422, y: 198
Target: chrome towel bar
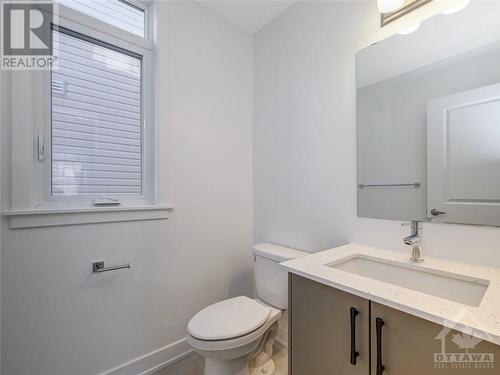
x: 415, y: 185
x: 98, y: 267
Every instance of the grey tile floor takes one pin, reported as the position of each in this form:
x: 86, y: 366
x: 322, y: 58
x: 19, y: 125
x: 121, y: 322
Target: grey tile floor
x: 193, y: 365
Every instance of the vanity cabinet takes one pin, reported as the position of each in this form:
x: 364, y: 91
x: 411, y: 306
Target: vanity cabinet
x: 320, y: 330
x: 409, y: 345
x: 389, y: 342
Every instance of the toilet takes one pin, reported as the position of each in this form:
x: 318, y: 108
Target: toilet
x: 236, y: 336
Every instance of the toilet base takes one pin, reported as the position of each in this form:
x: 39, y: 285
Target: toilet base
x: 267, y: 369
x: 238, y: 366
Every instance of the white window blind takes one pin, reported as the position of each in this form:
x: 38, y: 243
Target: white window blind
x: 118, y: 13
x: 96, y: 132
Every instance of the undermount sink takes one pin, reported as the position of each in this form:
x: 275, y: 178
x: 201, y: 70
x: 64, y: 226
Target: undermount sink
x: 453, y: 287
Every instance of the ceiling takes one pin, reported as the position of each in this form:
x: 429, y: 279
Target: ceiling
x: 249, y: 15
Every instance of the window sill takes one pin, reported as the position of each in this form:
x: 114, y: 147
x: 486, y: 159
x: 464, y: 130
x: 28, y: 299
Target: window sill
x: 56, y: 217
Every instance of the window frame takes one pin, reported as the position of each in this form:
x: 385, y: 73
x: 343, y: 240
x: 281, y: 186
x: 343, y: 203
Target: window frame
x: 139, y: 5
x: 42, y: 112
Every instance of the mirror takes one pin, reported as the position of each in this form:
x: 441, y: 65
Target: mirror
x: 428, y: 107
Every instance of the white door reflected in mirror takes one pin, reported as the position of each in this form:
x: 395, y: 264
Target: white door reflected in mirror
x: 464, y: 156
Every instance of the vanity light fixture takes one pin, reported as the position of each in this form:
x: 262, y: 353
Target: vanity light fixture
x: 387, y: 6
x: 409, y: 29
x: 396, y: 9
x: 456, y: 8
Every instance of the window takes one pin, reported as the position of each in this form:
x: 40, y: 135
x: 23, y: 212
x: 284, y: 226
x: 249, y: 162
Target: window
x: 85, y: 134
x: 99, y: 124
x: 119, y: 13
x: 96, y: 107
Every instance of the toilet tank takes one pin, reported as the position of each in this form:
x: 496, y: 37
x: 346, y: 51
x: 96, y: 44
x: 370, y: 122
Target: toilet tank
x: 271, y: 281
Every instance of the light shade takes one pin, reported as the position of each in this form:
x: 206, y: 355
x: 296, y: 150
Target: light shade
x: 410, y: 29
x: 457, y: 8
x: 387, y: 6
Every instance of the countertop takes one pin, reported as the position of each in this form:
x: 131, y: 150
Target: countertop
x: 482, y: 321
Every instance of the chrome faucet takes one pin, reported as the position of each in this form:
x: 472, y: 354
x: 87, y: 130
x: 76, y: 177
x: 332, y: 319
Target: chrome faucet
x: 413, y: 240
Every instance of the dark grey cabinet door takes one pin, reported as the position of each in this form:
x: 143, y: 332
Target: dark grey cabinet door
x: 413, y: 346
x: 320, y: 330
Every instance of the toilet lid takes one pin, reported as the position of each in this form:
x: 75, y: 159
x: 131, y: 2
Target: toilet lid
x: 228, y: 319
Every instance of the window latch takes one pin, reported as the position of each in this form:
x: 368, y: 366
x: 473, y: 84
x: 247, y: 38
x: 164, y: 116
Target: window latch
x: 41, y: 147
x: 106, y: 202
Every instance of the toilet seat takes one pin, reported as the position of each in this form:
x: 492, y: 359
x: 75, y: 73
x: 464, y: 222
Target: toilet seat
x: 273, y: 315
x: 228, y: 319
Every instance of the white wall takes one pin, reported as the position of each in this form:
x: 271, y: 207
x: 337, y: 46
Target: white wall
x: 4, y: 118
x: 305, y: 135
x: 58, y: 319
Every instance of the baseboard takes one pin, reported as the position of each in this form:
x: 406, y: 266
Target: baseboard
x: 154, y: 361
x: 283, y: 343
x: 282, y: 337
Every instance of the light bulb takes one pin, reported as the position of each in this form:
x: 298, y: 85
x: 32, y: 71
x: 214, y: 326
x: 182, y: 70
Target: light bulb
x: 410, y: 29
x: 456, y: 8
x: 387, y: 6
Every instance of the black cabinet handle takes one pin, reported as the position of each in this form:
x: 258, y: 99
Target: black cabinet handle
x: 380, y: 367
x: 354, y: 353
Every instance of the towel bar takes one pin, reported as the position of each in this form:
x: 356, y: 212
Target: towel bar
x: 415, y: 185
x: 98, y: 267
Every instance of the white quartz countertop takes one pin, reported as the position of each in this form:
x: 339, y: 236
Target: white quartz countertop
x: 482, y: 321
